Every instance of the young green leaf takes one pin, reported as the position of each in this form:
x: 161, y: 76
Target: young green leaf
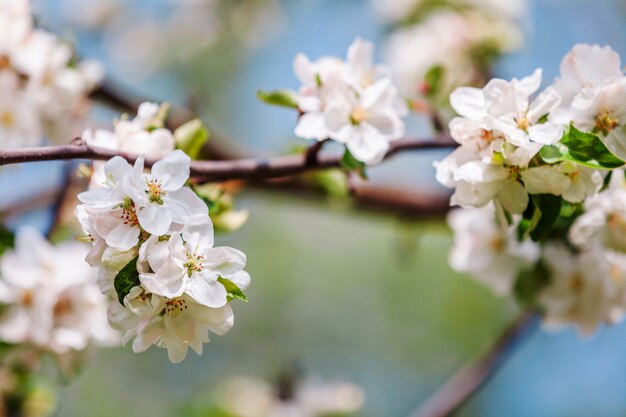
x: 547, y: 211
x: 126, y: 279
x: 191, y: 137
x: 234, y: 292
x: 433, y: 80
x: 278, y: 98
x: 588, y: 149
x: 530, y: 283
x: 349, y: 162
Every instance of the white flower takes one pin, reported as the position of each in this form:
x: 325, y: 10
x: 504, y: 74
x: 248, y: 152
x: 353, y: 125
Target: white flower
x: 50, y: 295
x: 133, y: 137
x: 582, y: 290
x: 188, y: 263
x: 132, y: 200
x: 604, y: 220
x: 249, y: 397
x: 490, y: 254
x: 446, y: 39
x: 366, y: 123
x: 571, y: 181
x: 175, y: 324
x: 161, y: 197
x: 349, y: 101
x: 583, y: 70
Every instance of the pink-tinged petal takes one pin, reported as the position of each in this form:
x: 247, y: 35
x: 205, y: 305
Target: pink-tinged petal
x: 240, y: 279
x: 148, y: 334
x: 218, y: 320
x: 155, y: 219
x: 303, y: 68
x: 208, y: 293
x: 468, y: 102
x: 361, y: 54
x: 368, y: 145
x: 184, y: 204
x: 176, y: 350
x: 100, y: 198
x: 224, y: 260
x: 312, y: 126
x: 198, y: 232
x: 173, y: 170
x: 181, y: 326
x: 123, y: 237
x: 168, y: 281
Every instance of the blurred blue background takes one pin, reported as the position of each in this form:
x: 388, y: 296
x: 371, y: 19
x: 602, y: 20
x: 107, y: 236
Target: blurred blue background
x: 350, y: 296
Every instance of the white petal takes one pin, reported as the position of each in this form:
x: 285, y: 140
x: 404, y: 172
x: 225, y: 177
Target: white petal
x: 208, y: 293
x: 173, y: 170
x: 155, y: 219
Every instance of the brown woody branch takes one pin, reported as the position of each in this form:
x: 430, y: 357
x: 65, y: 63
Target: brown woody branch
x: 207, y: 171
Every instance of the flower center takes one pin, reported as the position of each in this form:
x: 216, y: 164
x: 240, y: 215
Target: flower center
x: 129, y: 214
x: 155, y: 193
x: 27, y: 299
x: 175, y: 306
x: 5, y: 61
x: 194, y: 263
x: 605, y: 122
x: 62, y: 307
x: 522, y: 122
x: 357, y: 115
x: 497, y: 243
x: 577, y: 283
x: 7, y: 119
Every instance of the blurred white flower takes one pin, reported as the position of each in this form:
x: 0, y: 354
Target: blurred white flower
x: 583, y: 289
x: 51, y: 91
x: 135, y: 136
x: 50, y: 296
x: 351, y: 101
x: 450, y: 40
x: 249, y: 397
x: 491, y: 254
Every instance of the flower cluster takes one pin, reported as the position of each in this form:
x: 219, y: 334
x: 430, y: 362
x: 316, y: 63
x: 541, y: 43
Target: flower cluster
x: 353, y: 102
x: 153, y: 246
x: 50, y: 298
x: 458, y: 41
x: 143, y: 135
x: 42, y: 89
x: 537, y: 175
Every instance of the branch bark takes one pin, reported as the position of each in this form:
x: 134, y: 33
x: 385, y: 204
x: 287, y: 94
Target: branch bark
x: 469, y: 379
x: 210, y: 171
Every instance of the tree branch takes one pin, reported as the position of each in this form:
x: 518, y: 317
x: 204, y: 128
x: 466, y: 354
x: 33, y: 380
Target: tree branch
x: 469, y: 379
x: 208, y: 171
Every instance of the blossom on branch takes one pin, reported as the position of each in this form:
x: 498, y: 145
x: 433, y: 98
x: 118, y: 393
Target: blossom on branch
x: 44, y: 91
x: 352, y: 102
x: 152, y: 243
x: 50, y: 297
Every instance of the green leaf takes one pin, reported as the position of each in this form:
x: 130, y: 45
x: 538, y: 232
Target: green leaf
x: 434, y: 80
x: 234, y: 292
x: 7, y: 239
x: 547, y: 211
x: 588, y: 149
x: 126, y: 279
x: 349, y: 162
x: 551, y: 154
x: 191, y: 137
x: 530, y: 283
x: 278, y: 98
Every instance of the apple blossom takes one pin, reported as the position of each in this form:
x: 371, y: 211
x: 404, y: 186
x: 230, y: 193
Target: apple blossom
x: 137, y: 136
x: 188, y: 263
x: 483, y: 249
x: 50, y: 297
x: 351, y: 101
x: 175, y: 324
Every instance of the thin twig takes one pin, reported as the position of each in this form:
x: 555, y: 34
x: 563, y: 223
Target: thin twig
x: 469, y: 379
x: 207, y: 171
